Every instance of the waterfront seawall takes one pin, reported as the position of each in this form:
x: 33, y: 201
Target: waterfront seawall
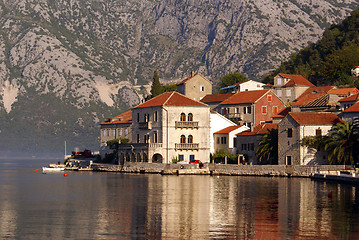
x: 219, y: 169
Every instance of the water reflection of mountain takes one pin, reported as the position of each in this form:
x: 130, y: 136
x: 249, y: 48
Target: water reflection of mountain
x: 112, y: 206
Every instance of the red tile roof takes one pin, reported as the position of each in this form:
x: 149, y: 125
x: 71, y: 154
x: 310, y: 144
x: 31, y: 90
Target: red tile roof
x: 260, y: 129
x: 315, y: 118
x: 307, y: 98
x: 268, y: 85
x: 296, y: 80
x: 125, y: 117
x: 170, y: 99
x: 351, y: 98
x: 321, y: 89
x: 353, y: 108
x: 343, y: 91
x: 245, y: 97
x: 228, y: 129
x: 215, y: 97
x: 283, y: 112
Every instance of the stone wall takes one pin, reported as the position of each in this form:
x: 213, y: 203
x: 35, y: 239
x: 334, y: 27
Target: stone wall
x: 219, y: 169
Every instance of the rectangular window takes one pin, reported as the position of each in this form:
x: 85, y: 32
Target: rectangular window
x: 279, y: 81
x: 244, y: 110
x: 275, y: 110
x: 126, y: 131
x: 191, y: 157
x: 138, y: 117
x: 249, y: 124
x: 252, y: 146
x: 318, y: 132
x: 269, y: 98
x: 120, y: 132
x: 290, y: 132
x: 202, y: 88
x: 114, y: 132
x: 244, y: 147
x: 249, y: 110
x: 288, y: 93
x: 279, y: 93
x: 218, y: 140
x: 223, y: 140
x: 289, y: 160
x: 155, y: 138
x: 264, y: 109
x: 138, y: 138
x: 155, y: 117
x: 180, y: 157
x: 237, y: 110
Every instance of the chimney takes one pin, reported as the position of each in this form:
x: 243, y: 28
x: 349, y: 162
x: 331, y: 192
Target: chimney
x: 192, y: 73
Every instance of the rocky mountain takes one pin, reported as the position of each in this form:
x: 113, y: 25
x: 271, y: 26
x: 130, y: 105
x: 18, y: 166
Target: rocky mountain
x: 66, y: 65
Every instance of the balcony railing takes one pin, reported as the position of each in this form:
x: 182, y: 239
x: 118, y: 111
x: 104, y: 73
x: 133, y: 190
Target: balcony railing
x: 234, y: 115
x: 183, y: 124
x: 155, y: 145
x: 145, y: 125
x: 187, y: 146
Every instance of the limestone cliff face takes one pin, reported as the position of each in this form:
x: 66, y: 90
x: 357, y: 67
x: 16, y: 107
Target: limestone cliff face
x: 93, y: 56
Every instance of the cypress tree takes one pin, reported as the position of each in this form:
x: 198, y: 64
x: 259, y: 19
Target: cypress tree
x: 156, y: 88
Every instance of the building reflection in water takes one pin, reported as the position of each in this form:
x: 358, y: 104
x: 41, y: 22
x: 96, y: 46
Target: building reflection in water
x: 112, y: 206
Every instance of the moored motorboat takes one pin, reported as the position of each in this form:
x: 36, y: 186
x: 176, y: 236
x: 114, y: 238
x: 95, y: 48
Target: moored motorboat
x: 53, y: 169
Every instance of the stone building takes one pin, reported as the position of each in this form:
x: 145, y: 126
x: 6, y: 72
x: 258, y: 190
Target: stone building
x: 213, y: 100
x: 351, y: 112
x: 118, y: 127
x: 166, y: 128
x: 249, y: 85
x: 297, y: 125
x: 195, y: 87
x: 226, y: 138
x: 290, y: 87
x: 247, y: 142
x: 251, y: 108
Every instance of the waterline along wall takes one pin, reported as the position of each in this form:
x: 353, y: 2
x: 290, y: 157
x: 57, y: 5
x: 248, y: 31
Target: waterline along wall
x: 219, y: 169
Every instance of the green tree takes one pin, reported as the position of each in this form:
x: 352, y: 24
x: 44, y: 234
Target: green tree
x: 156, y: 88
x: 267, y: 151
x: 232, y: 78
x: 342, y: 142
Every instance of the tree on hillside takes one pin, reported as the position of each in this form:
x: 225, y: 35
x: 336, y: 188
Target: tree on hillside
x: 232, y: 78
x: 156, y: 88
x: 330, y: 59
x: 342, y: 142
x: 267, y: 151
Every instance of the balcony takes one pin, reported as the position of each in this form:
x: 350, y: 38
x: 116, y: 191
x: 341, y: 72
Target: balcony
x: 234, y: 115
x: 187, y: 146
x: 154, y: 145
x: 184, y: 124
x: 145, y: 125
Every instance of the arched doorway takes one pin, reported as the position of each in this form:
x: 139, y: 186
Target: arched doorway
x: 157, y: 158
x: 133, y: 158
x: 121, y: 159
x: 127, y: 157
x: 138, y: 159
x: 145, y: 157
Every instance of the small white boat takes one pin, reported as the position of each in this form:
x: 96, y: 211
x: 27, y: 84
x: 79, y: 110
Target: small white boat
x: 52, y: 169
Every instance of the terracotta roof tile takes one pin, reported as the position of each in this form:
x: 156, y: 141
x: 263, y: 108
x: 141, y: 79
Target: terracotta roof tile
x: 283, y: 112
x: 268, y: 85
x: 351, y: 98
x: 315, y: 118
x: 245, y: 97
x: 228, y: 129
x: 260, y: 129
x: 353, y: 108
x: 296, y: 80
x: 343, y: 91
x: 321, y: 89
x: 215, y: 97
x: 307, y: 98
x: 170, y: 99
x: 125, y: 117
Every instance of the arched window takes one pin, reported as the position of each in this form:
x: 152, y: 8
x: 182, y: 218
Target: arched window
x: 183, y: 139
x: 190, y: 117
x: 190, y: 139
x: 183, y: 117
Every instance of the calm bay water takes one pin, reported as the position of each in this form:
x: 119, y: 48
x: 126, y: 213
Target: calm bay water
x: 86, y: 205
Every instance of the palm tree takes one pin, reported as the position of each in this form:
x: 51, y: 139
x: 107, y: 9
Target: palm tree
x: 342, y: 142
x: 267, y: 151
